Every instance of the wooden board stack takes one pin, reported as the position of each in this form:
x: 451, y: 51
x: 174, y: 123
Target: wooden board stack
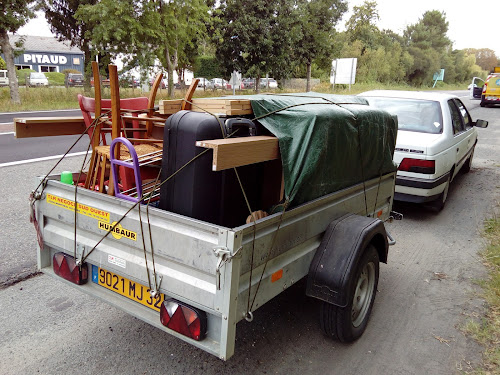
x: 228, y: 107
x: 169, y: 107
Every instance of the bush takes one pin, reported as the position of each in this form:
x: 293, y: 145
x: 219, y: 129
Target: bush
x: 55, y: 78
x: 21, y: 76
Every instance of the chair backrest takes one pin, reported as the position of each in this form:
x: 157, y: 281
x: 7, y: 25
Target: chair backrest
x: 152, y: 94
x: 88, y: 108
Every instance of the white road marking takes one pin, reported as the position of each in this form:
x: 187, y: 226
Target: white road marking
x: 7, y: 133
x: 19, y: 162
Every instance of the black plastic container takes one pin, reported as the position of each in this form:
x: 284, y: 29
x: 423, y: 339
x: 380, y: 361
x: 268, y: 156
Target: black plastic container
x: 197, y: 191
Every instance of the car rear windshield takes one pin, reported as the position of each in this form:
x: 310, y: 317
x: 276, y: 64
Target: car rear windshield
x: 76, y: 76
x: 423, y: 116
x: 37, y: 75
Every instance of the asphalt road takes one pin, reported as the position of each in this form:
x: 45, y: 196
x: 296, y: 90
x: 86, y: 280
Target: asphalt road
x: 13, y: 149
x: 426, y: 292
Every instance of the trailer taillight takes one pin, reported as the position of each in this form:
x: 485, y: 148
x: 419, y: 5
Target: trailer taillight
x: 184, y: 319
x: 64, y: 265
x: 418, y: 166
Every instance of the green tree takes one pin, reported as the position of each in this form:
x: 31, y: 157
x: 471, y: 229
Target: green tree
x: 207, y: 67
x: 362, y: 24
x: 149, y: 30
x: 60, y: 14
x: 16, y: 13
x: 3, y: 65
x: 317, y: 27
x: 485, y: 58
x: 428, y: 44
x: 253, y: 37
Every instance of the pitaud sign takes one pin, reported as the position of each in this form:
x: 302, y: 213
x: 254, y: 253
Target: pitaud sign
x: 45, y: 59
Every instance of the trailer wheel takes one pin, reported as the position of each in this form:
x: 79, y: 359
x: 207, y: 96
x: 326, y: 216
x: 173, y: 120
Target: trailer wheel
x: 348, y: 323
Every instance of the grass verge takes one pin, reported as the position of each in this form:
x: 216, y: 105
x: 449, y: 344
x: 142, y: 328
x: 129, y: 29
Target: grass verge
x: 487, y: 330
x: 59, y: 97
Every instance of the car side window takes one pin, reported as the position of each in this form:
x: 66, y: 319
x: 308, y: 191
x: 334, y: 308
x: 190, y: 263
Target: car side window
x: 465, y: 114
x: 456, y: 118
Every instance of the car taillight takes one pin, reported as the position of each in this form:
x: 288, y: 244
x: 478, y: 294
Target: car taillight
x: 184, y: 319
x: 64, y: 265
x: 418, y: 166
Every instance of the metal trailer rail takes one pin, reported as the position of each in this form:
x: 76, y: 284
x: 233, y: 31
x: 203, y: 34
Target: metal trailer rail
x: 201, y: 264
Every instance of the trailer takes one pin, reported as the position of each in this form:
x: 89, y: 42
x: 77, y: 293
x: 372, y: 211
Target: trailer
x: 196, y: 280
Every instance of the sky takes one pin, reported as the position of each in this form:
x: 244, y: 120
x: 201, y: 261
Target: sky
x: 468, y: 26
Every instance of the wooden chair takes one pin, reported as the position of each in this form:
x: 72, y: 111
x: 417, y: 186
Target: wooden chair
x: 100, y: 161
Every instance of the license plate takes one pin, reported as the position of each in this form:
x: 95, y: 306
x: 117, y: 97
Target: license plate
x: 125, y: 287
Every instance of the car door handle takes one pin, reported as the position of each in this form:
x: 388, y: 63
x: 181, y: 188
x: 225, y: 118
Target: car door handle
x: 458, y: 149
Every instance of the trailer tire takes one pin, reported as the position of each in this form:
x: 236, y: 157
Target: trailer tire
x: 348, y: 323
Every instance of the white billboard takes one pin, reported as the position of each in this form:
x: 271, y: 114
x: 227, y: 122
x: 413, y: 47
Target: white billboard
x: 343, y: 71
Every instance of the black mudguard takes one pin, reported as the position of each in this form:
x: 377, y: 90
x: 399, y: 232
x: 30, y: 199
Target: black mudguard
x: 334, y: 263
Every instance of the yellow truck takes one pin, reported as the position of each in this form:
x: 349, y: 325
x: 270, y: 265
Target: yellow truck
x: 491, y: 88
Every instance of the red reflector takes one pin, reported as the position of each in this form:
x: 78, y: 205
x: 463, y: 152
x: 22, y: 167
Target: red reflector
x: 418, y: 166
x: 64, y: 265
x: 184, y: 319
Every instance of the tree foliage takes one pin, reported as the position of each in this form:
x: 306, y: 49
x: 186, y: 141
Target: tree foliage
x: 149, y: 30
x: 15, y: 14
x: 207, y: 67
x: 362, y: 24
x: 248, y: 31
x: 485, y: 58
x: 428, y: 43
x: 316, y: 28
x: 60, y: 15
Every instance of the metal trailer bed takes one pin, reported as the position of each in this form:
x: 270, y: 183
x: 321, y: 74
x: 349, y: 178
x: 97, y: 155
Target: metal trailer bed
x: 201, y: 264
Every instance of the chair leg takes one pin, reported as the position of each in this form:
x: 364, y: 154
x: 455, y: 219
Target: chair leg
x: 92, y: 172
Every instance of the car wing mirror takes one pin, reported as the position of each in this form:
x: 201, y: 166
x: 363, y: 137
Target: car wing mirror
x: 481, y: 124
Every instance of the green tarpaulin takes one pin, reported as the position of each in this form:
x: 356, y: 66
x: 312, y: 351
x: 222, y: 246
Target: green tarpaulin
x: 327, y: 142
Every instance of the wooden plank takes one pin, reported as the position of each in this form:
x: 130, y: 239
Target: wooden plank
x: 169, y: 107
x: 236, y: 152
x: 48, y: 126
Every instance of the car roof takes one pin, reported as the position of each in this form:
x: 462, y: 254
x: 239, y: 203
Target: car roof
x: 422, y: 95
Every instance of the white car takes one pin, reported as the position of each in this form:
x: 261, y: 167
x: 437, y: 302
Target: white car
x: 37, y: 79
x: 272, y: 83
x: 436, y: 138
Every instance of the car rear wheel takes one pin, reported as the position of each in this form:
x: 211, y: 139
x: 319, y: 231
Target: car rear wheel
x: 348, y: 323
x: 439, y: 203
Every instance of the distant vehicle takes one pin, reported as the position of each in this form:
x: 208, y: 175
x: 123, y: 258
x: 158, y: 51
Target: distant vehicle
x: 491, y: 90
x: 272, y: 83
x: 203, y: 82
x: 104, y: 82
x: 248, y: 83
x: 4, y: 79
x: 436, y: 138
x: 218, y: 83
x: 128, y: 81
x: 37, y: 79
x: 163, y: 84
x: 476, y: 88
x: 73, y: 79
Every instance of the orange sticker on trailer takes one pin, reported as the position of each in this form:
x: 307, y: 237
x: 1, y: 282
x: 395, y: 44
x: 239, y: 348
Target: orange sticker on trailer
x: 277, y: 275
x: 83, y: 209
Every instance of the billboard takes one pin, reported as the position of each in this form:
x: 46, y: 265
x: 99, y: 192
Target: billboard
x: 343, y: 71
